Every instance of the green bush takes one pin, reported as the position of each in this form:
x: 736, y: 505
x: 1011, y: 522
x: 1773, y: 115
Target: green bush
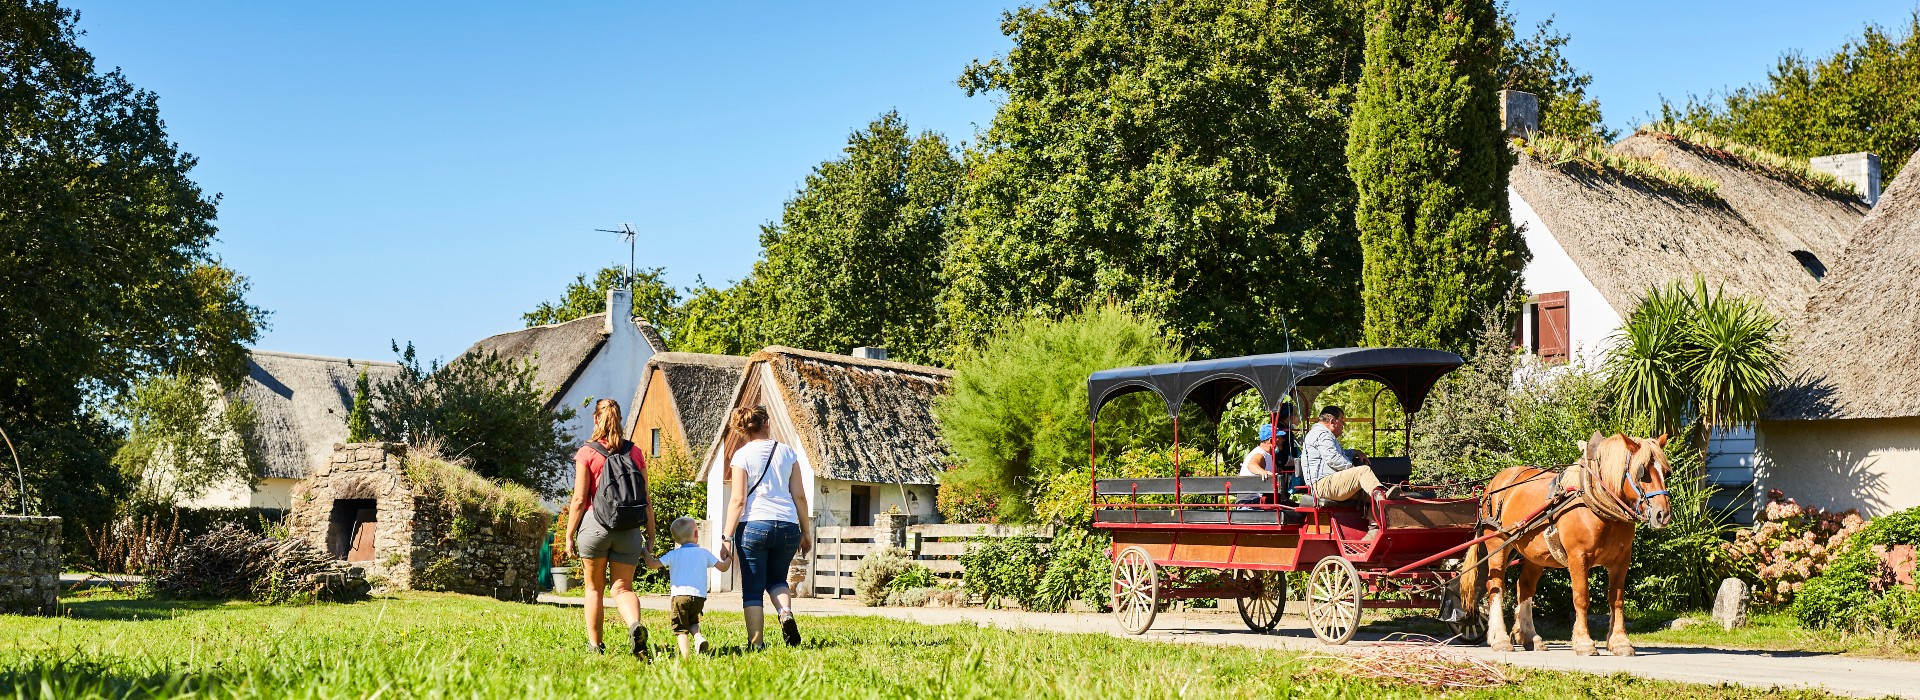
x: 1005, y: 567
x: 1017, y: 414
x: 1079, y: 570
x: 1854, y: 591
x: 874, y: 579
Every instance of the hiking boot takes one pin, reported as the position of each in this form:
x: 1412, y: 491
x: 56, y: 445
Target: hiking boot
x: 638, y: 635
x: 596, y: 648
x: 789, y: 630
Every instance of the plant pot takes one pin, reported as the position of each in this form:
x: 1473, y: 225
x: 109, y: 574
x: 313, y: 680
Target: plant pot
x: 562, y: 580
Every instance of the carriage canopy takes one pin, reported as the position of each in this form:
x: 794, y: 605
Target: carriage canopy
x: 1409, y: 372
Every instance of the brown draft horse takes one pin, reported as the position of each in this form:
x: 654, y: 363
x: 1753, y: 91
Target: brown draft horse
x: 1591, y: 526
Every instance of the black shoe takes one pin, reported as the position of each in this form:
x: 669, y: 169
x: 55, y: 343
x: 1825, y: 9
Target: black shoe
x: 638, y: 635
x: 600, y: 649
x: 790, y: 631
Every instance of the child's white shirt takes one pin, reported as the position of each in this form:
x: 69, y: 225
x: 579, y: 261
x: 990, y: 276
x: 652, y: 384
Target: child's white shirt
x: 687, y: 567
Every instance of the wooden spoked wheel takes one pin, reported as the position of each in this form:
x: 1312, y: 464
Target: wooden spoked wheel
x: 1333, y: 600
x: 1262, y: 611
x: 1136, y: 590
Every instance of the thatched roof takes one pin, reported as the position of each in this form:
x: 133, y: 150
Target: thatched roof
x: 1628, y: 236
x: 1856, y: 353
x: 701, y: 386
x: 859, y: 419
x: 301, y: 404
x: 561, y: 351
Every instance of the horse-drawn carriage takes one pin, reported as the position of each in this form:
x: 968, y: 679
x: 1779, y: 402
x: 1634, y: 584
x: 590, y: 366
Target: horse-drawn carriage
x: 1202, y: 537
x: 1197, y: 536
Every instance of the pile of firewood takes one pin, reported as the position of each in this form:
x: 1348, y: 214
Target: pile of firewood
x: 230, y: 562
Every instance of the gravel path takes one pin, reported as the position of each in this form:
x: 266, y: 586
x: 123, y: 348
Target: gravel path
x: 1845, y: 675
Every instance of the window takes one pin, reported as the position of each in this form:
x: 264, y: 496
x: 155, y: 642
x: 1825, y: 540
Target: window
x: 1812, y: 263
x: 655, y: 450
x: 1546, y: 328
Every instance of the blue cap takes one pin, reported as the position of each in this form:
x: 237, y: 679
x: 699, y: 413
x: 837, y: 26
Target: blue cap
x: 1266, y: 432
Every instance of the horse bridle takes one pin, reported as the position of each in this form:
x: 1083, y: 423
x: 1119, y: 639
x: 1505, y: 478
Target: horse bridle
x: 1640, y: 504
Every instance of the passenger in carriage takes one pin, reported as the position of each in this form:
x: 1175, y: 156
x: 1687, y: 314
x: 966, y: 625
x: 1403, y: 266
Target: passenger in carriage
x: 1332, y: 473
x: 1260, y: 461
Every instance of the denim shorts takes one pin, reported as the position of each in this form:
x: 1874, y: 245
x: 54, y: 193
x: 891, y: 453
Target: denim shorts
x: 766, y: 552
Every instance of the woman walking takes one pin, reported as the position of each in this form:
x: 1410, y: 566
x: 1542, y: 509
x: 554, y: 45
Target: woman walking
x: 610, y: 473
x: 771, y: 523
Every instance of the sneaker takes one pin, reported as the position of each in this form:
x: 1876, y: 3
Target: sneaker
x: 789, y: 630
x: 638, y: 634
x: 700, y: 645
x: 596, y: 648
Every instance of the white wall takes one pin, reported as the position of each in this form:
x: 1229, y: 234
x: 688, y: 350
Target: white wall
x: 273, y: 493
x: 1590, y: 319
x: 614, y: 372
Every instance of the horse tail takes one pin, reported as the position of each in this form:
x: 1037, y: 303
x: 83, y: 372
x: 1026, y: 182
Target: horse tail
x: 1472, y: 573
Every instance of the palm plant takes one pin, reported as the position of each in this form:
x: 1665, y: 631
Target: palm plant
x: 1691, y: 357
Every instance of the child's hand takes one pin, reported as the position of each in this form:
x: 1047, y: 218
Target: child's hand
x: 653, y: 562
x: 726, y: 554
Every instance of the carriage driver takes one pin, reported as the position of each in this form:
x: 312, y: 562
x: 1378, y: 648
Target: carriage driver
x: 1332, y: 473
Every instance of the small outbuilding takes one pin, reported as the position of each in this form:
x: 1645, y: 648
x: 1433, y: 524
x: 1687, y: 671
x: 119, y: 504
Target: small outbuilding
x: 863, y: 428
x: 683, y: 401
x: 421, y: 523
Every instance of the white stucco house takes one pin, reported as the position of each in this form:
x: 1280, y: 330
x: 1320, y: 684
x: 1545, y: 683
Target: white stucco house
x: 1601, y: 237
x: 863, y: 428
x: 598, y: 356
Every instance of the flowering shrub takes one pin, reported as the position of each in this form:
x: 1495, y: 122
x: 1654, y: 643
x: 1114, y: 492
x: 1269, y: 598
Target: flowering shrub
x: 1790, y: 544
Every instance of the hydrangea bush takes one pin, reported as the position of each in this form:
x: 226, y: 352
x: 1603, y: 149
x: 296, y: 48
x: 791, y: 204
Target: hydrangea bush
x: 1790, y: 545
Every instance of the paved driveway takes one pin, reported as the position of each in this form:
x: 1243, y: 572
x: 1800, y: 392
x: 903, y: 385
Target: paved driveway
x: 1845, y: 675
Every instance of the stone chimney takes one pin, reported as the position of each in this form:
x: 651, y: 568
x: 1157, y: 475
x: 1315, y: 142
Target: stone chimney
x: 866, y: 353
x: 1862, y: 170
x: 619, y: 306
x: 1519, y: 113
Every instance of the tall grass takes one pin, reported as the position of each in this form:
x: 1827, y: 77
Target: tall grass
x: 1794, y: 170
x: 1592, y: 156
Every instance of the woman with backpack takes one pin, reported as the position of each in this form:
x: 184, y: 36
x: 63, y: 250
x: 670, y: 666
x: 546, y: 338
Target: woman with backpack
x: 610, y: 524
x: 767, y: 506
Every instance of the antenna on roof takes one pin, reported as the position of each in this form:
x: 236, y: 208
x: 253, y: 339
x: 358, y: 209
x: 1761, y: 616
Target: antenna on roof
x: 629, y: 235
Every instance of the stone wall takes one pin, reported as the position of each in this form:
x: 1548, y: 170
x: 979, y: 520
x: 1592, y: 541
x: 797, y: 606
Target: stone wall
x: 30, y: 562
x: 421, y: 541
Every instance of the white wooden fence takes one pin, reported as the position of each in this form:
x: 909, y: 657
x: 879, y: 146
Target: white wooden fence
x: 837, y: 551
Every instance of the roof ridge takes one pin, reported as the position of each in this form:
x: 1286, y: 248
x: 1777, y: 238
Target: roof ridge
x: 322, y: 358
x: 853, y: 361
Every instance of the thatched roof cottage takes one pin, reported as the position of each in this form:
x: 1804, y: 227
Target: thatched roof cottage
x: 1846, y: 431
x: 683, y: 401
x: 300, y: 404
x: 585, y: 359
x: 863, y: 428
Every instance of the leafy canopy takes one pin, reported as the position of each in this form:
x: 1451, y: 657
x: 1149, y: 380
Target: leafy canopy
x: 1017, y: 413
x: 1863, y: 97
x: 489, y: 412
x: 1181, y: 157
x: 1429, y: 160
x: 654, y: 301
x: 183, y: 438
x: 106, y: 275
x: 1534, y: 64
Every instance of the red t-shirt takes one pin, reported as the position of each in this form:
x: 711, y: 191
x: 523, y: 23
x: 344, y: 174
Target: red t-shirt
x: 589, y: 459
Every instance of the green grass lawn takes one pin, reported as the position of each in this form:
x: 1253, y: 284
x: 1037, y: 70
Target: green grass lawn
x: 1768, y: 631
x: 444, y: 646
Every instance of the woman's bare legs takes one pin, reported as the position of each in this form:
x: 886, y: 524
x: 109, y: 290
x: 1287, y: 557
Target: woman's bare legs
x: 756, y: 623
x: 595, y: 570
x: 623, y: 596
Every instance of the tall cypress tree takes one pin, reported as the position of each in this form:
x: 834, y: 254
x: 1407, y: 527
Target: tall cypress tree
x: 1430, y: 161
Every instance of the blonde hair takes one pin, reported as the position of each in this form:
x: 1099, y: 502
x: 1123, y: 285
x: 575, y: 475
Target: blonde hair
x: 749, y: 419
x: 681, y: 529
x: 606, y: 422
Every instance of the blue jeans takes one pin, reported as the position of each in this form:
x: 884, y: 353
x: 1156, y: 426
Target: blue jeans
x: 766, y: 551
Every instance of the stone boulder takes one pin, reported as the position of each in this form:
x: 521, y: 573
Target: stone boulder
x: 1730, y: 604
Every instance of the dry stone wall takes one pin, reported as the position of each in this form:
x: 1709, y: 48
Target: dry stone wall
x: 30, y: 561
x: 421, y: 540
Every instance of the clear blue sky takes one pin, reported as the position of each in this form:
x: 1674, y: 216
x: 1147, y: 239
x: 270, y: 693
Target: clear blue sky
x: 429, y: 172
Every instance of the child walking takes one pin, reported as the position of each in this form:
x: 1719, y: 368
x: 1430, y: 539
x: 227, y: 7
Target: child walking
x: 687, y: 566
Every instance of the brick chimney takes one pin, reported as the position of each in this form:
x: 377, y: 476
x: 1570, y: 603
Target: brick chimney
x: 1519, y: 113
x: 1862, y: 170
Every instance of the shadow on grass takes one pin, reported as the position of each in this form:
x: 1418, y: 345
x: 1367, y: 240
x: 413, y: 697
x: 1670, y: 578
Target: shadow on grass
x: 133, y: 609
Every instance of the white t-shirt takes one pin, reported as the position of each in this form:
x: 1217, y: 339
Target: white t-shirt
x: 687, y: 567
x: 1261, y: 450
x: 772, y: 499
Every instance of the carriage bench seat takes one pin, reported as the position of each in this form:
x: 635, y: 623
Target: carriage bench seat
x: 1194, y: 516
x: 1189, y: 485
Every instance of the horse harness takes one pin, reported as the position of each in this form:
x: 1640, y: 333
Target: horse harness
x: 1585, y: 473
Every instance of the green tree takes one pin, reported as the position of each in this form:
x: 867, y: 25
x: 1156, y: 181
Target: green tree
x: 184, y: 438
x: 719, y: 320
x: 360, y: 418
x: 479, y: 408
x: 1017, y: 413
x: 1534, y: 64
x: 106, y: 275
x: 1688, y: 356
x: 855, y: 258
x: 1863, y: 97
x: 1429, y: 159
x: 1182, y: 157
x: 654, y: 301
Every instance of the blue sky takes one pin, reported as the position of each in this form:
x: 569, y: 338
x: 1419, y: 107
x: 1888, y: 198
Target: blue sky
x: 430, y: 171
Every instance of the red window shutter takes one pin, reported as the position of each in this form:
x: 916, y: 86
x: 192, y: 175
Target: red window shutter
x: 1555, y: 342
